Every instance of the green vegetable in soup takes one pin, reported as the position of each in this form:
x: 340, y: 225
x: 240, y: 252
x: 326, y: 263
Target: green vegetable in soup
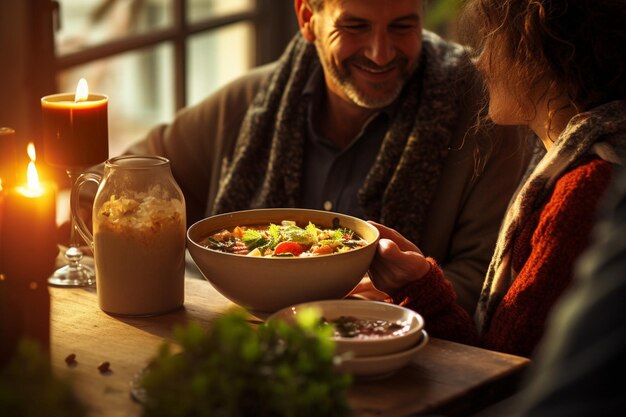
x: 254, y: 239
x: 293, y: 233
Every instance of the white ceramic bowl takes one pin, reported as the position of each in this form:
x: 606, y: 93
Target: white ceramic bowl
x: 384, y: 365
x: 411, y: 332
x: 265, y: 285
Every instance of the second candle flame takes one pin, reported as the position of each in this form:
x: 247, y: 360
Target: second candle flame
x: 82, y: 91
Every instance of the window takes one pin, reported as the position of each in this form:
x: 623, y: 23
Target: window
x: 153, y: 57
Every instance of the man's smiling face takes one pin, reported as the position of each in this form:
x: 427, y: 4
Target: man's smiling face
x: 368, y: 48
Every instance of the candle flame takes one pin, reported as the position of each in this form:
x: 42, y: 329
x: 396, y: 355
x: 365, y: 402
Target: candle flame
x: 82, y: 90
x: 33, y: 187
x: 32, y: 178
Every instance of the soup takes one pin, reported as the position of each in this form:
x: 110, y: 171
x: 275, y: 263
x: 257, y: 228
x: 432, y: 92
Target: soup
x: 352, y: 327
x: 284, y: 240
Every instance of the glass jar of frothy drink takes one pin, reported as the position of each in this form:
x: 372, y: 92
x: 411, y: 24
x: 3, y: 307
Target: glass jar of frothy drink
x: 138, y: 238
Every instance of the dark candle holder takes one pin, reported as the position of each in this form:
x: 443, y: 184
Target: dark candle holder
x: 75, y: 136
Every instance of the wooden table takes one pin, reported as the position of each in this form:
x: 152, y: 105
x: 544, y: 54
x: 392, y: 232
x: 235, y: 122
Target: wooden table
x: 445, y: 377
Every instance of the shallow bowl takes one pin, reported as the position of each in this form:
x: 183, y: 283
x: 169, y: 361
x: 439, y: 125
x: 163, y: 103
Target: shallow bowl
x: 358, y: 346
x: 264, y: 285
x: 383, y: 365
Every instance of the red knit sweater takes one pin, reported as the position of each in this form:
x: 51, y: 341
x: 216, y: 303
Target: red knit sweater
x: 544, y: 254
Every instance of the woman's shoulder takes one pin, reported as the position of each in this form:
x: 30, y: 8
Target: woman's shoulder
x: 578, y: 191
x: 589, y: 173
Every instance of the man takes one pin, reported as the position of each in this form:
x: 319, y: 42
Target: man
x: 366, y: 114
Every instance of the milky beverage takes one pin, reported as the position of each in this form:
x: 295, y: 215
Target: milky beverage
x: 139, y: 245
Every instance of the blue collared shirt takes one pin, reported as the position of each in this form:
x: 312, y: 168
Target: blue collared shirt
x: 332, y: 177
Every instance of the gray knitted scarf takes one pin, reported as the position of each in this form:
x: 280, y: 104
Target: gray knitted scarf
x: 267, y: 167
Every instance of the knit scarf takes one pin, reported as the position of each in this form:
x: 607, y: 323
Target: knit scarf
x: 266, y: 169
x: 601, y: 131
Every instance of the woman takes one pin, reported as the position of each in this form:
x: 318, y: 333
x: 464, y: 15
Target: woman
x: 558, y: 67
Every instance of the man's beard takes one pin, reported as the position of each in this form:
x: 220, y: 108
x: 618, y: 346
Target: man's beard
x: 345, y: 80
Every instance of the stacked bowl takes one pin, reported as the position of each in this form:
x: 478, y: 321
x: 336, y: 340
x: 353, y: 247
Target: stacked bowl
x: 372, y: 338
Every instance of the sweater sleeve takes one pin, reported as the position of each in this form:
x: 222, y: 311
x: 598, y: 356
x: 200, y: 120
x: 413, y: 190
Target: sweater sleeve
x: 561, y: 235
x: 434, y: 298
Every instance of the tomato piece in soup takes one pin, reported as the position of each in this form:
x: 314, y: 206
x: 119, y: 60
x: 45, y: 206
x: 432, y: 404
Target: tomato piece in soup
x: 289, y: 247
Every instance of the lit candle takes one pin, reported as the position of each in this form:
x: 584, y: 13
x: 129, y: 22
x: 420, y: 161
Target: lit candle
x: 28, y: 232
x: 28, y: 255
x: 75, y: 128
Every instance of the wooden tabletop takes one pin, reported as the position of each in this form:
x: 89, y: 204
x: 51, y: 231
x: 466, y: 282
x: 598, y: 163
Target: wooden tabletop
x: 445, y: 378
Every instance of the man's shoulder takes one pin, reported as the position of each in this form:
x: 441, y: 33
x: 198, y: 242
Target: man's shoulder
x: 444, y: 51
x: 448, y: 67
x: 230, y: 102
x: 245, y: 87
x: 255, y: 76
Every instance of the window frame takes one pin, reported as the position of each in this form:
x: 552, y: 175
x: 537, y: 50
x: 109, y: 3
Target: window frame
x: 268, y: 17
x: 27, y: 36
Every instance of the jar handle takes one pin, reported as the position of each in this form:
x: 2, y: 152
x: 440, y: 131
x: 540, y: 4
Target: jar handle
x: 81, y: 226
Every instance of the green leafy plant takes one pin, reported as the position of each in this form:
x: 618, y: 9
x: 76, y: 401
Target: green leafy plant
x: 29, y: 388
x: 235, y: 369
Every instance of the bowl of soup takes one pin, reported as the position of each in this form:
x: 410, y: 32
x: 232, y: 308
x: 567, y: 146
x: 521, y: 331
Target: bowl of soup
x: 268, y: 259
x: 363, y: 328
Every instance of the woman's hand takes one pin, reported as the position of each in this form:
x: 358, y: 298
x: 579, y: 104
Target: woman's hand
x: 397, y: 261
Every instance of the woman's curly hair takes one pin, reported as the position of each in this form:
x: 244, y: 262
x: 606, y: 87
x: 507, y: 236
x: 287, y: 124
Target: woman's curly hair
x: 578, y: 46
